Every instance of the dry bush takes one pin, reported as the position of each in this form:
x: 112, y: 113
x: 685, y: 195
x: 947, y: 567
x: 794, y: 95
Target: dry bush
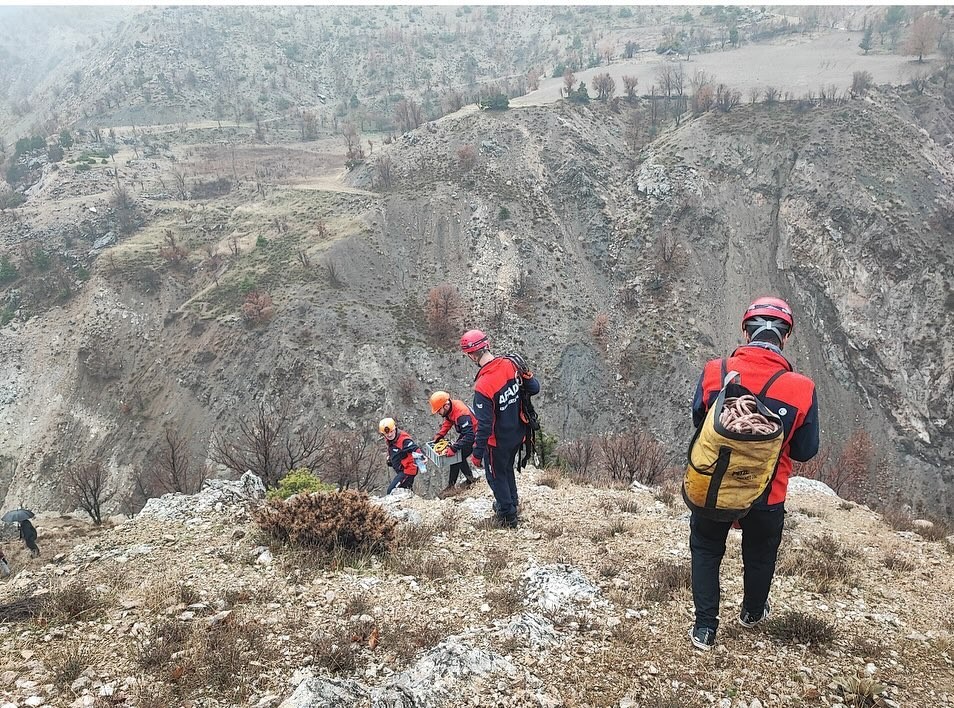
x: 578, y: 456
x: 727, y: 98
x: 174, y: 469
x: 351, y: 460
x: 634, y: 455
x: 171, y: 251
x: 898, y: 563
x: 65, y: 664
x: 442, y: 311
x: 258, y: 307
x: 153, y: 648
x: 504, y: 600
x: 406, y: 388
x: 549, y: 477
x: 861, y: 81
x: 629, y: 506
x: 406, y: 639
x: 600, y: 327
x: 467, y: 157
x: 344, y: 520
x: 826, y: 562
x: 847, y: 472
x: 336, y: 654
x: 415, y: 536
x: 665, y: 579
x: 73, y: 601
x: 225, y: 656
x: 493, y: 565
x: 800, y: 628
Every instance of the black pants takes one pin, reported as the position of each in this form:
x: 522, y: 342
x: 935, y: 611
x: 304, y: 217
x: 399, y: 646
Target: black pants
x: 498, y: 464
x: 460, y: 467
x: 761, y: 536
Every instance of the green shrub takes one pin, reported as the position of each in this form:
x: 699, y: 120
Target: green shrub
x: 261, y: 242
x: 8, y: 271
x: 11, y: 200
x: 329, y: 522
x: 503, y: 214
x: 298, y: 481
x: 66, y: 139
x: 247, y: 285
x: 82, y: 167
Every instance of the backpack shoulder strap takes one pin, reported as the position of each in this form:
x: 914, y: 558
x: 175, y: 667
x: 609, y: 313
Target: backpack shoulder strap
x: 768, y: 384
x: 724, y: 370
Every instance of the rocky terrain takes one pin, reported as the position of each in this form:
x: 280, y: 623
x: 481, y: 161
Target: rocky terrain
x: 586, y: 604
x: 613, y: 243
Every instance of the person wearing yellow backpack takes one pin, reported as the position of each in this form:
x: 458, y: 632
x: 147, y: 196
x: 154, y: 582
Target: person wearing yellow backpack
x: 758, y: 365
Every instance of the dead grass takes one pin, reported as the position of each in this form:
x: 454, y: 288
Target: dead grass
x: 66, y: 663
x: 504, y: 600
x: 550, y: 477
x: 825, y: 561
x: 800, y: 628
x: 666, y: 579
x: 898, y: 563
x: 73, y: 601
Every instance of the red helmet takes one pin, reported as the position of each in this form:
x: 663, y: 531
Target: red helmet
x: 473, y: 340
x: 770, y: 308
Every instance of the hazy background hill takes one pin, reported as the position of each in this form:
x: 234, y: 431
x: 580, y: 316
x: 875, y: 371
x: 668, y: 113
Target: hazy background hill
x: 304, y: 207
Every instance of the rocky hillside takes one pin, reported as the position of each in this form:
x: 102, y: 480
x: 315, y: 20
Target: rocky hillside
x: 617, y: 261
x: 142, y: 66
x: 587, y: 604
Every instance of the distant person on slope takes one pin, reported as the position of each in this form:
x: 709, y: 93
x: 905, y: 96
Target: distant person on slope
x: 502, y: 425
x: 456, y: 415
x: 403, y: 455
x: 28, y: 534
x: 766, y: 325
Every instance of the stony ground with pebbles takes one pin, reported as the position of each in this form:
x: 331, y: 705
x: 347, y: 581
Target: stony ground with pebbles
x: 586, y: 604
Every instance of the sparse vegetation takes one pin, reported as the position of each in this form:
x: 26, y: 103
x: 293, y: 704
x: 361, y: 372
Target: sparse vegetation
x: 800, y: 628
x: 329, y: 522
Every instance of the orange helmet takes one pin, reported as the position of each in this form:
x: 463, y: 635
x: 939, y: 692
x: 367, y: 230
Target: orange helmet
x: 386, y: 426
x: 438, y: 399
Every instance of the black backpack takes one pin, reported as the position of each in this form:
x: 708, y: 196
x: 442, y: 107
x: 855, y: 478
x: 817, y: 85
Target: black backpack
x: 527, y: 413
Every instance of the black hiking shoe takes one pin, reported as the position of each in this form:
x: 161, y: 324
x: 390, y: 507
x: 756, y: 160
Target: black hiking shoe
x: 749, y: 620
x: 702, y: 637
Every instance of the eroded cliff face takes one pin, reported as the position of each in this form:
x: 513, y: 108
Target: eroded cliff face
x: 845, y: 210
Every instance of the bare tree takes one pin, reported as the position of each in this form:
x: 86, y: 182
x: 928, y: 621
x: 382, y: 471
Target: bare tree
x: 174, y: 469
x: 568, y: 80
x: 87, y: 486
x: 605, y: 86
x: 353, y: 460
x: 578, y: 455
x: 355, y: 152
x: 922, y: 36
x: 180, y: 181
x: 665, y: 74
x: 442, y: 310
x: 384, y: 172
x: 629, y: 86
x: 269, y: 445
x: 726, y: 98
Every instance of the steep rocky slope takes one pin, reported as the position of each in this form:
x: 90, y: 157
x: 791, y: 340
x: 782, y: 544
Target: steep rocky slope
x: 615, y: 263
x: 585, y: 605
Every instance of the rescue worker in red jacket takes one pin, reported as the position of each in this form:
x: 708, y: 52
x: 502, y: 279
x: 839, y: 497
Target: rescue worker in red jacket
x: 401, y: 455
x: 766, y: 325
x: 456, y: 415
x: 501, y: 424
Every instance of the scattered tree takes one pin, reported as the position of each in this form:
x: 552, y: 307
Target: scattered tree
x: 258, y: 307
x: 629, y: 86
x: 605, y: 86
x: 442, y: 310
x: 568, y: 81
x: 865, y: 44
x: 861, y: 81
x: 87, y: 486
x: 270, y: 445
x: 922, y: 36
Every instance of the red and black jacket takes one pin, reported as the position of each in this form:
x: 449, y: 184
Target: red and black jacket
x: 497, y: 405
x: 462, y: 419
x: 399, y: 453
x: 792, y: 396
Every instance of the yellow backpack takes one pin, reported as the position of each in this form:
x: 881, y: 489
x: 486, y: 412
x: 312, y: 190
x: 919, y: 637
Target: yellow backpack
x: 734, y: 452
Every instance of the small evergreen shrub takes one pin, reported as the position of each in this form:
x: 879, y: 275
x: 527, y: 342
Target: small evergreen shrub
x: 344, y: 520
x: 301, y: 480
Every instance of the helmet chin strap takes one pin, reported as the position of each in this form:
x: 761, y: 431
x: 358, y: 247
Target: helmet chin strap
x: 765, y: 325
